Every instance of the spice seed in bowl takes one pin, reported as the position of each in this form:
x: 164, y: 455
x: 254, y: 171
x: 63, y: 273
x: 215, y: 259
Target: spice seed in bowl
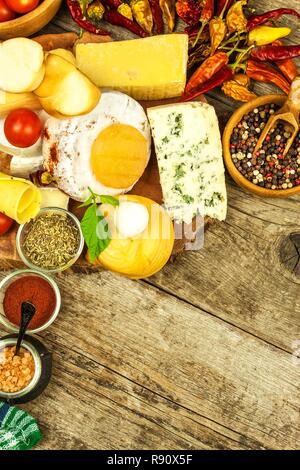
x: 268, y: 168
x: 52, y: 241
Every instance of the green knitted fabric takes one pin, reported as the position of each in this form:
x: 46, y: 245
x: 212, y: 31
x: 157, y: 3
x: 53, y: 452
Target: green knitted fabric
x: 18, y: 430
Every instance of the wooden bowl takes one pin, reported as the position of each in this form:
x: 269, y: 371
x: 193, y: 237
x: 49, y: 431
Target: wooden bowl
x: 30, y: 23
x: 233, y: 171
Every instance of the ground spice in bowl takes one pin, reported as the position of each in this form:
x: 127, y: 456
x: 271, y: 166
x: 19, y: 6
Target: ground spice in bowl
x: 267, y: 168
x: 34, y: 289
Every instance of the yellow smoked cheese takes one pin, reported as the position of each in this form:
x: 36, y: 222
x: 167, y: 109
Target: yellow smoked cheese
x: 147, y: 69
x: 20, y: 199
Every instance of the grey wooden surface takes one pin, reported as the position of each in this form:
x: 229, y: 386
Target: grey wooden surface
x: 204, y: 355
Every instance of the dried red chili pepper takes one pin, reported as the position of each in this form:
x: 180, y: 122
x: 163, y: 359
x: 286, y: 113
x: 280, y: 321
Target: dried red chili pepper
x: 273, y: 54
x: 83, y: 22
x: 207, y: 70
x: 207, y: 10
x: 189, y: 11
x: 205, y: 17
x: 223, y: 6
x: 256, y: 20
x: 112, y: 3
x: 115, y: 18
x: 220, y: 77
x: 157, y: 16
x: 267, y: 74
x: 287, y: 67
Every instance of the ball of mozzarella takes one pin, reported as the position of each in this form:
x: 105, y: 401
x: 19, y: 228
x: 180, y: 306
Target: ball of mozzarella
x: 131, y: 219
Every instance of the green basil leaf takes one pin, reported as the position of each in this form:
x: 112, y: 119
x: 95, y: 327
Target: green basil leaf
x: 109, y: 200
x: 87, y: 202
x: 95, y: 231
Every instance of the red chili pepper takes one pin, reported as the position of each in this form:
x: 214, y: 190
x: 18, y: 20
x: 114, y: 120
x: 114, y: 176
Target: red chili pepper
x: 207, y: 11
x: 266, y: 74
x: 287, y: 67
x: 115, y: 18
x: 221, y: 76
x: 206, y: 71
x: 223, y: 5
x: 112, y: 3
x: 206, y: 15
x: 273, y: 54
x: 157, y: 15
x: 257, y: 20
x: 83, y: 22
x: 189, y: 11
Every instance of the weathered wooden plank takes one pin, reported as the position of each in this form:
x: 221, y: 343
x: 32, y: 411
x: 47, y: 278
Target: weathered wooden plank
x: 132, y: 344
x: 238, y: 275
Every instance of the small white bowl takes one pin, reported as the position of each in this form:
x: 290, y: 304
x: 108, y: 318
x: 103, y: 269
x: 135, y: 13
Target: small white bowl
x: 17, y: 275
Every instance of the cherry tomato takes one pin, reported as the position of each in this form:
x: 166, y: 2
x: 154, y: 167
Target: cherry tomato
x: 22, y: 6
x: 6, y: 14
x: 5, y: 223
x: 22, y: 127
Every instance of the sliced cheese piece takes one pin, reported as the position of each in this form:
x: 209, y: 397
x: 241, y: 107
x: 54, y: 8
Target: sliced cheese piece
x: 21, y: 64
x: 21, y: 199
x: 24, y: 167
x: 147, y: 69
x: 189, y: 152
x: 53, y: 197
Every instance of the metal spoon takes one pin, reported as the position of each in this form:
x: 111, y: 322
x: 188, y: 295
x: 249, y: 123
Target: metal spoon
x: 27, y: 312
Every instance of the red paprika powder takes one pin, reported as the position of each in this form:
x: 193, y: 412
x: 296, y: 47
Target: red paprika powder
x: 32, y: 289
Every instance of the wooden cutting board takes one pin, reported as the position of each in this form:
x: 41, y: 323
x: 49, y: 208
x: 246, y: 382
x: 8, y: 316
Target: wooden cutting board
x: 148, y: 185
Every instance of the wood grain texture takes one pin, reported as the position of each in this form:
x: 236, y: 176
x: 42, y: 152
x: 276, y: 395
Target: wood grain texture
x: 203, y: 355
x: 154, y: 372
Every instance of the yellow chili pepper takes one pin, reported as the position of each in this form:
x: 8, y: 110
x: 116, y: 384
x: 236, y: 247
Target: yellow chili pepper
x: 142, y: 14
x: 235, y: 19
x: 237, y: 91
x: 125, y: 10
x: 168, y: 9
x: 242, y: 79
x: 263, y: 35
x: 217, y: 31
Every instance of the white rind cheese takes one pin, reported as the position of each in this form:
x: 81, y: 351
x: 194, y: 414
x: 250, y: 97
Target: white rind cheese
x: 189, y: 153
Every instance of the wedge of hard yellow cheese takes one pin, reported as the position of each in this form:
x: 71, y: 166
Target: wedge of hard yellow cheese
x: 20, y: 199
x: 147, y: 69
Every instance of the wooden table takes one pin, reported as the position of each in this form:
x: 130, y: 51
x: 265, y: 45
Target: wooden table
x: 204, y: 355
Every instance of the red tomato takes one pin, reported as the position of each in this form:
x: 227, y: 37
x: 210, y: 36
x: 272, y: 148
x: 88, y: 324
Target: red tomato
x: 22, y: 6
x: 22, y: 127
x: 6, y: 13
x: 5, y: 223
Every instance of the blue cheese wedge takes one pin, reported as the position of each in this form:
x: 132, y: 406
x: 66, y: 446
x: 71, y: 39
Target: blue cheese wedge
x: 189, y: 153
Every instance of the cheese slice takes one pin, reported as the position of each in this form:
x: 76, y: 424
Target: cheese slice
x: 189, y: 153
x: 147, y: 69
x: 53, y: 197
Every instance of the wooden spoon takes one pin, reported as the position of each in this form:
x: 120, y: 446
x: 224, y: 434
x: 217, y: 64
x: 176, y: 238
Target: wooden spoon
x: 289, y: 113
